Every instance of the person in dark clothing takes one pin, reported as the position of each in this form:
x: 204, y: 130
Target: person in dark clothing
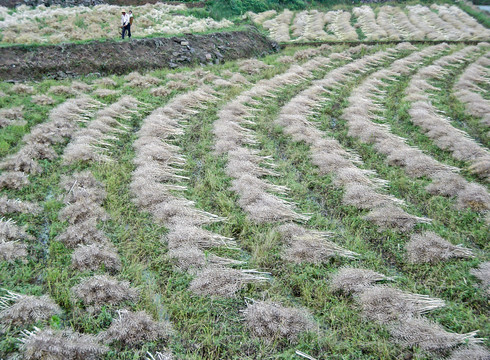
x: 125, y: 24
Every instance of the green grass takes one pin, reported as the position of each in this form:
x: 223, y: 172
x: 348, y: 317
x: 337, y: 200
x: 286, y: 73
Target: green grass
x: 213, y: 328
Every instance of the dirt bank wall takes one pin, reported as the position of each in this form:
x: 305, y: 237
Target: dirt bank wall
x: 120, y: 57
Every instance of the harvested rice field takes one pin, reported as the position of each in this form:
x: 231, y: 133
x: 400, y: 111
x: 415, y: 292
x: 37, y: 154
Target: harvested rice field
x: 322, y: 202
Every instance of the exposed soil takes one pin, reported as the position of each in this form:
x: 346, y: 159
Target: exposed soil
x: 120, y: 57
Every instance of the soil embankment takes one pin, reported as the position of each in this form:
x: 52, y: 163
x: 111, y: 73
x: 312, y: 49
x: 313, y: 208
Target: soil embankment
x: 120, y: 57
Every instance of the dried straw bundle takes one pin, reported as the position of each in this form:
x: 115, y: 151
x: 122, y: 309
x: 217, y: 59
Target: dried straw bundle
x: 60, y: 345
x: 133, y: 328
x: 94, y: 256
x: 102, y: 289
x: 271, y: 321
x: 428, y: 247
x: 220, y: 281
x: 351, y: 280
x: 22, y: 310
x: 385, y: 304
x: 12, y: 250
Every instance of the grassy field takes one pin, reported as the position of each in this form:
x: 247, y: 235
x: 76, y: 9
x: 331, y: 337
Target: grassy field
x: 214, y: 327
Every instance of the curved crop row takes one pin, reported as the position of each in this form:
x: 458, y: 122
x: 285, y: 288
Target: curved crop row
x: 401, y: 312
x: 309, y: 25
x: 279, y: 25
x: 397, y: 25
x: 436, y: 126
x: 468, y: 91
x: 360, y: 118
x: 460, y: 20
x: 391, y: 23
x: 366, y: 19
x: 38, y: 143
x: 61, y: 24
x: 361, y: 188
x: 155, y: 179
x: 88, y: 144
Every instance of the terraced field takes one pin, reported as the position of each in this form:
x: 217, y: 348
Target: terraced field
x: 365, y: 23
x: 319, y: 203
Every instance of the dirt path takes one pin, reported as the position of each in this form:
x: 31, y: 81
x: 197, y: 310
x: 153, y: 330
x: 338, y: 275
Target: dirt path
x: 120, y: 57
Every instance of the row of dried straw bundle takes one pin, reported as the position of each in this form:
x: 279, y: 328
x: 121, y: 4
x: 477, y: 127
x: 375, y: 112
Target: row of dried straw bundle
x: 81, y: 23
x: 366, y: 20
x: 437, y: 126
x: 468, y: 26
x: 279, y: 26
x: 244, y: 163
x: 11, y: 245
x: 434, y: 27
x: 244, y: 166
x: 339, y: 23
x: 158, y: 175
x: 90, y: 143
x: 310, y: 26
x: 397, y: 25
x: 364, y: 109
x: 361, y: 186
x: 468, y: 90
x: 38, y: 143
x: 401, y: 312
x: 12, y: 116
x: 85, y: 197
x: 260, y: 17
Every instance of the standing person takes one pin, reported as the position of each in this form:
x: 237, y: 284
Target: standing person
x: 131, y: 18
x: 125, y: 24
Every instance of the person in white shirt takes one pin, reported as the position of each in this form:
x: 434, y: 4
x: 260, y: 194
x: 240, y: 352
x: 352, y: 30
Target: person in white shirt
x: 125, y: 24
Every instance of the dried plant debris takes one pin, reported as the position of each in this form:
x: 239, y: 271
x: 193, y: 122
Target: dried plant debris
x: 43, y: 100
x: 105, y: 92
x: 483, y: 274
x: 104, y: 290
x: 82, y: 210
x: 13, y: 180
x: 8, y: 206
x: 22, y: 89
x: 385, y: 304
x: 83, y: 233
x: 10, y: 231
x: 429, y: 247
x: 11, y: 116
x: 474, y: 352
x: 82, y: 186
x: 132, y: 328
x: 12, y: 250
x: 183, y: 235
x: 429, y: 336
x: 252, y: 66
x: 351, y: 280
x: 22, y: 310
x: 96, y: 256
x: 220, y: 281
x: 271, y: 321
x: 305, y: 245
x: 189, y: 257
x: 393, y: 217
x: 60, y: 345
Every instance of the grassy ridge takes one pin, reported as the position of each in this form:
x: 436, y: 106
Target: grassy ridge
x: 208, y: 328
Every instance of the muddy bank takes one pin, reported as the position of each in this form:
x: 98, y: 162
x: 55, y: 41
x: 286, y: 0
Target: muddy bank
x: 117, y: 57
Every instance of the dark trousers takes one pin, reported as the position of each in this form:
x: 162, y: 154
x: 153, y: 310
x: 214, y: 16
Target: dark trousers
x: 126, y: 28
